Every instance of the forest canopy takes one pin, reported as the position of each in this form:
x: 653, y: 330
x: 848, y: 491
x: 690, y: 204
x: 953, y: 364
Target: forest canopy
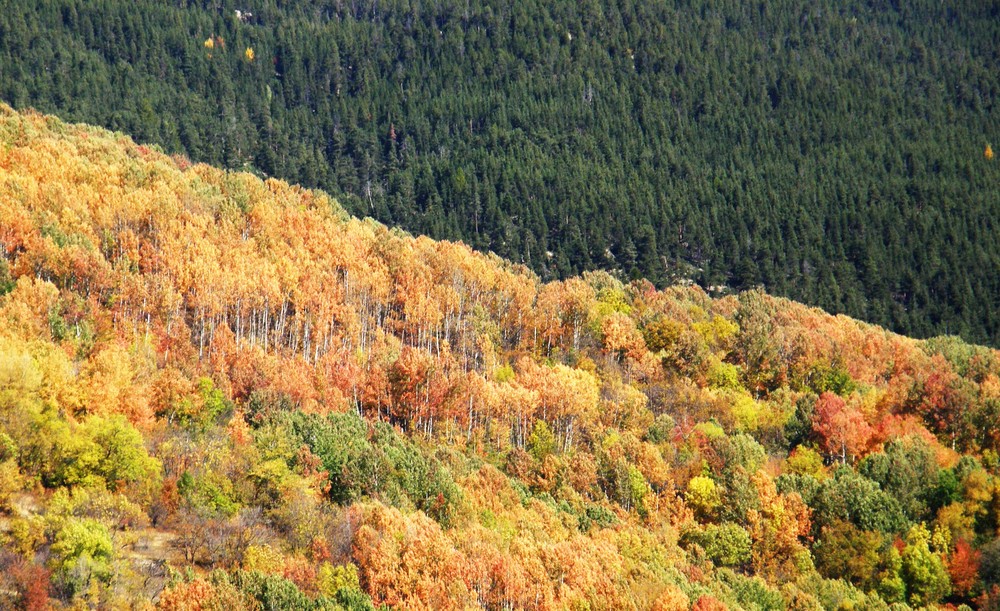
x: 834, y: 153
x: 218, y: 391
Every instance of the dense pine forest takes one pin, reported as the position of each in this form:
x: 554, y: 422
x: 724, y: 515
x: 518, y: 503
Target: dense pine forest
x: 222, y: 392
x: 829, y: 152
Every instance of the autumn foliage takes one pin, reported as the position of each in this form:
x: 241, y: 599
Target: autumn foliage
x: 223, y: 392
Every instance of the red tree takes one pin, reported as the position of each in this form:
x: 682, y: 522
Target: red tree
x: 841, y: 428
x: 964, y: 567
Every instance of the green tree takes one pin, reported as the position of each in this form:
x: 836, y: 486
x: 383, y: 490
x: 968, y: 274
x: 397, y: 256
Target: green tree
x: 122, y: 457
x: 542, y: 441
x: 725, y: 544
x: 756, y: 344
x: 82, y: 551
x: 907, y: 470
x: 845, y: 552
x: 853, y: 498
x: 924, y: 573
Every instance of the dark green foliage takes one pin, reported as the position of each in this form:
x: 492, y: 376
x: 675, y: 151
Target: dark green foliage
x: 853, y: 498
x: 806, y: 486
x: 756, y: 344
x: 966, y: 465
x: 947, y: 491
x: 989, y: 564
x: 376, y: 462
x: 413, y: 475
x: 661, y: 430
x: 6, y: 280
x: 739, y: 451
x: 831, y: 153
x: 833, y: 378
x: 274, y: 592
x: 264, y: 405
x: 734, y: 459
x: 725, y: 544
x: 341, y: 442
x: 353, y: 599
x: 752, y: 592
x: 845, y: 552
x: 906, y: 469
x: 596, y: 516
x: 798, y: 429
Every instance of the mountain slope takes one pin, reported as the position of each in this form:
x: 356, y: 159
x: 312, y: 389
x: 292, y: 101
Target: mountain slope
x: 220, y: 390
x: 832, y: 154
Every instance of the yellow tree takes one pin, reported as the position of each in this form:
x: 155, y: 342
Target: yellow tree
x: 568, y: 396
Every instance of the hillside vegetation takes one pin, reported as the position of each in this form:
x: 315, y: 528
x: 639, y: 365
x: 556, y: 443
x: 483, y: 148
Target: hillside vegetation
x: 220, y: 391
x: 831, y: 152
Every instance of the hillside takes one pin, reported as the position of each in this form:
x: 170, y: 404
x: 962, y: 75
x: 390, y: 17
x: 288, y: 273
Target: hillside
x: 832, y: 152
x: 220, y: 391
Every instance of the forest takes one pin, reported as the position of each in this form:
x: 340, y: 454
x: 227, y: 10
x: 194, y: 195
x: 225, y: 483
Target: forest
x: 832, y: 153
x: 220, y: 391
